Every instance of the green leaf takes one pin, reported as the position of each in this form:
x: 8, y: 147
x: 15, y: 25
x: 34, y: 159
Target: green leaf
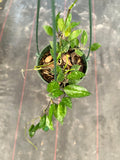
x: 57, y: 17
x: 66, y: 101
x: 36, y: 127
x: 33, y: 129
x: 74, y: 34
x: 42, y: 122
x: 76, y: 67
x: 51, y: 96
x: 45, y: 128
x: 61, y: 112
x: 31, y: 133
x: 61, y: 24
x: 52, y: 52
x: 56, y: 93
x: 95, y: 46
x: 59, y: 55
x: 84, y: 38
x: 59, y: 69
x: 76, y: 91
x: 52, y: 86
x: 65, y: 46
x: 51, y: 44
x: 75, y: 75
x: 79, y: 52
x: 49, y: 123
x: 48, y: 30
x: 74, y: 24
x: 74, y: 43
x: 69, y: 18
x: 68, y: 22
x: 55, y: 110
x: 60, y: 77
x: 74, y: 81
x: 67, y: 31
x: 57, y: 47
x: 50, y: 114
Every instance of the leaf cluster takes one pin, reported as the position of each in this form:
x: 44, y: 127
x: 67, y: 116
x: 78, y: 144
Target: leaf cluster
x: 68, y: 90
x: 67, y: 36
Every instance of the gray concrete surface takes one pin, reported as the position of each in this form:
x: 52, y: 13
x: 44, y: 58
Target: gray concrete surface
x: 77, y: 137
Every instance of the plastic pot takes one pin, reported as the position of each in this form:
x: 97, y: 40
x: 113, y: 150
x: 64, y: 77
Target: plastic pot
x: 46, y: 49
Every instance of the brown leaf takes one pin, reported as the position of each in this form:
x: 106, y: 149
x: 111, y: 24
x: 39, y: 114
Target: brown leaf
x: 50, y: 66
x: 79, y: 60
x: 66, y: 59
x: 48, y: 59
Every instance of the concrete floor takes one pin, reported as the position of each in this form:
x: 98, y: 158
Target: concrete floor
x: 77, y: 138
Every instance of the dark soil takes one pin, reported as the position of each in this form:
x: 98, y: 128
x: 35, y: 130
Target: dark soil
x: 47, y: 73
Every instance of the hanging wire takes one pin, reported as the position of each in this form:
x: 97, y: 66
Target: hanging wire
x: 54, y: 35
x: 90, y: 20
x: 37, y: 23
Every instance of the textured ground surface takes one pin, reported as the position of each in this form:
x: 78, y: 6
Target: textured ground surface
x: 77, y: 137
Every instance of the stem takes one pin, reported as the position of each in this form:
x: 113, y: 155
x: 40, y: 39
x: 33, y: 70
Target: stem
x: 90, y: 19
x: 54, y: 35
x: 72, y: 5
x: 44, y: 65
x: 69, y: 70
x: 36, y: 68
x: 37, y: 23
x: 32, y: 121
x: 44, y: 111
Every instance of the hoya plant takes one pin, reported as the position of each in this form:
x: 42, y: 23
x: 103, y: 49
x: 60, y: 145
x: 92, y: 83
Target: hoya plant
x: 70, y: 48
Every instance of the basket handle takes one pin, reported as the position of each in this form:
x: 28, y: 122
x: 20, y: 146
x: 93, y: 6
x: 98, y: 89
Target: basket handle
x: 37, y: 24
x: 90, y: 21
